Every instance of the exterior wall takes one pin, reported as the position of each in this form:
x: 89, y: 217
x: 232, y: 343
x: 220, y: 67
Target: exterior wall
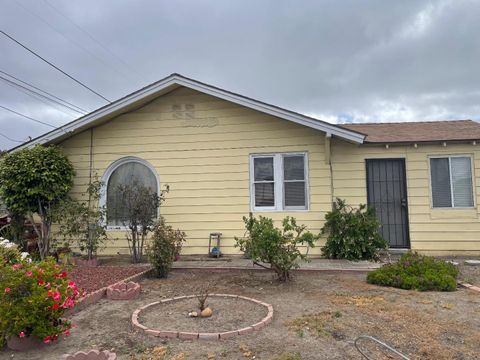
x: 204, y: 160
x: 432, y: 231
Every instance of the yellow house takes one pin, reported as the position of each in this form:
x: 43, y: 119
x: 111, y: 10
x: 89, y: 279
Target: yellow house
x: 224, y: 155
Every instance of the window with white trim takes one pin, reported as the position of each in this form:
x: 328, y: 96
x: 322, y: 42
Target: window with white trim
x: 126, y: 171
x: 279, y: 182
x: 451, y: 181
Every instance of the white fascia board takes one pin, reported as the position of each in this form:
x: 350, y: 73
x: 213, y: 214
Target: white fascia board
x: 176, y: 80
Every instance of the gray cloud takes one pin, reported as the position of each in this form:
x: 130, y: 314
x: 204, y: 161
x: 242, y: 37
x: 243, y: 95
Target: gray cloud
x: 352, y: 60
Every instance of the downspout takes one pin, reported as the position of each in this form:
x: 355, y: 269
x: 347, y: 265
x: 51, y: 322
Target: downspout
x: 90, y: 166
x: 328, y: 161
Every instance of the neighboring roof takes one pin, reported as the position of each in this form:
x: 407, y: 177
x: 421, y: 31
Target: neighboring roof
x: 161, y: 87
x: 456, y: 130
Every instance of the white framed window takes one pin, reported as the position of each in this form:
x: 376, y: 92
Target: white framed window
x: 451, y: 181
x: 279, y: 182
x: 125, y: 171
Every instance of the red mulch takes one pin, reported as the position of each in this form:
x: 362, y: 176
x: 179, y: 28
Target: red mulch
x: 94, y: 278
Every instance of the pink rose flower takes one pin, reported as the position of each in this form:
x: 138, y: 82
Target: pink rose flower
x: 22, y: 334
x: 28, y: 273
x: 56, y: 296
x: 7, y: 290
x: 47, y: 340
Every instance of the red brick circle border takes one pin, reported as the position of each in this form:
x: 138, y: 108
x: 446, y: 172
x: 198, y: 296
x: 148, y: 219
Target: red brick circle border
x: 203, y: 336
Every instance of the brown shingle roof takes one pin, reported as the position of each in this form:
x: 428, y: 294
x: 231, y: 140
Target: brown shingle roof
x: 418, y: 131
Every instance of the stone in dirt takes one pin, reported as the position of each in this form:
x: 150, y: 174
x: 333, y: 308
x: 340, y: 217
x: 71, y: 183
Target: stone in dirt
x: 193, y: 314
x: 207, y: 312
x: 472, y: 262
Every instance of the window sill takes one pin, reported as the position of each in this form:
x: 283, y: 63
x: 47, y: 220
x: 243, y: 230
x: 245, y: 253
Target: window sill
x: 279, y: 211
x: 117, y: 228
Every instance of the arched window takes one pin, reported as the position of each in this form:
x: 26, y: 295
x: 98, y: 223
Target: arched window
x: 124, y: 172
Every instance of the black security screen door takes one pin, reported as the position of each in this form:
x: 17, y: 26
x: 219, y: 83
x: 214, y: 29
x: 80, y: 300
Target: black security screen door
x: 387, y: 193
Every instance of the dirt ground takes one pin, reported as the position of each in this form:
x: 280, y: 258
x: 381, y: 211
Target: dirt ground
x: 317, y: 316
x: 228, y: 314
x: 469, y: 274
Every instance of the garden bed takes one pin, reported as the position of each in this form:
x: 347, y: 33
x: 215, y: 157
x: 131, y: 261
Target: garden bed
x: 317, y: 316
x: 95, y: 278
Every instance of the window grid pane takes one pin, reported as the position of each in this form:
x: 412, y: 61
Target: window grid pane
x: 441, y: 188
x: 295, y: 194
x: 265, y: 194
x: 294, y: 167
x: 461, y: 171
x: 263, y: 169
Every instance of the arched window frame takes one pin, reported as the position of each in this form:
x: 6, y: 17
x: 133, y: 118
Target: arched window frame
x: 106, y: 177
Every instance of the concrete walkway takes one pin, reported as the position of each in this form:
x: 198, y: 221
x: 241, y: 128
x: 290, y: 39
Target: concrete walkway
x: 239, y: 263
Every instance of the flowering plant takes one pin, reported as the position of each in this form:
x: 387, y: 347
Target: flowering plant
x: 33, y: 299
x: 9, y: 252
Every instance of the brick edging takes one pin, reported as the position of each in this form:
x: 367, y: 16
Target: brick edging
x: 204, y: 336
x: 95, y: 296
x: 469, y: 286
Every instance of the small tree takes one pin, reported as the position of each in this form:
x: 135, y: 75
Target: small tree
x: 278, y: 247
x: 352, y: 233
x: 166, y: 242
x: 35, y: 181
x: 140, y: 205
x: 84, y: 221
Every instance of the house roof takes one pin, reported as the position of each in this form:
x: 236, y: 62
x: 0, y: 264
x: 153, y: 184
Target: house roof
x: 456, y: 130
x: 170, y: 83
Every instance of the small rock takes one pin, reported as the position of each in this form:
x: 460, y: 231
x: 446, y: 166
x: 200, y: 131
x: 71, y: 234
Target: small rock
x: 207, y: 312
x: 452, y: 262
x: 193, y: 314
x: 472, y: 262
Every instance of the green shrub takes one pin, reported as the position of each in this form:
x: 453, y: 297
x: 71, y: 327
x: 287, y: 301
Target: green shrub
x: 352, y: 233
x: 277, y: 247
x: 33, y: 299
x: 166, y: 244
x: 414, y: 271
x: 33, y: 182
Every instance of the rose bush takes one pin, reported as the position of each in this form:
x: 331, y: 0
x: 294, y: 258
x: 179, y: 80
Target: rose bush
x: 34, y: 298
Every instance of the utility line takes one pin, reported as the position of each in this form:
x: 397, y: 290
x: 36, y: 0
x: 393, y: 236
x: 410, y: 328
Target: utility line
x: 45, y: 92
x: 69, y: 19
x: 54, y: 66
x: 9, y: 138
x: 39, y: 96
x: 108, y: 66
x: 27, y: 117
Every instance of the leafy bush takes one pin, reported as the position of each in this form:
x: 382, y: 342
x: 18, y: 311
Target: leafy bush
x: 166, y: 242
x: 414, y: 271
x: 141, y: 206
x: 33, y: 299
x: 84, y: 221
x: 277, y: 247
x: 33, y: 181
x: 352, y: 233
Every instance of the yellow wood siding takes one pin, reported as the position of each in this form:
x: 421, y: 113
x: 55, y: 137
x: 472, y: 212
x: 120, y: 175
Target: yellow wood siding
x: 433, y: 231
x: 204, y: 160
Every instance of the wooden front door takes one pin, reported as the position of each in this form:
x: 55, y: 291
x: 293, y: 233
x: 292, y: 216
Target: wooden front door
x: 387, y: 193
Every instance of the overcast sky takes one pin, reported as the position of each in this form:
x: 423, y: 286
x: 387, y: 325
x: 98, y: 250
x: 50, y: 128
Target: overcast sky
x: 339, y: 61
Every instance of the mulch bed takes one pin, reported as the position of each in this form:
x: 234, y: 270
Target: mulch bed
x: 91, y: 279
